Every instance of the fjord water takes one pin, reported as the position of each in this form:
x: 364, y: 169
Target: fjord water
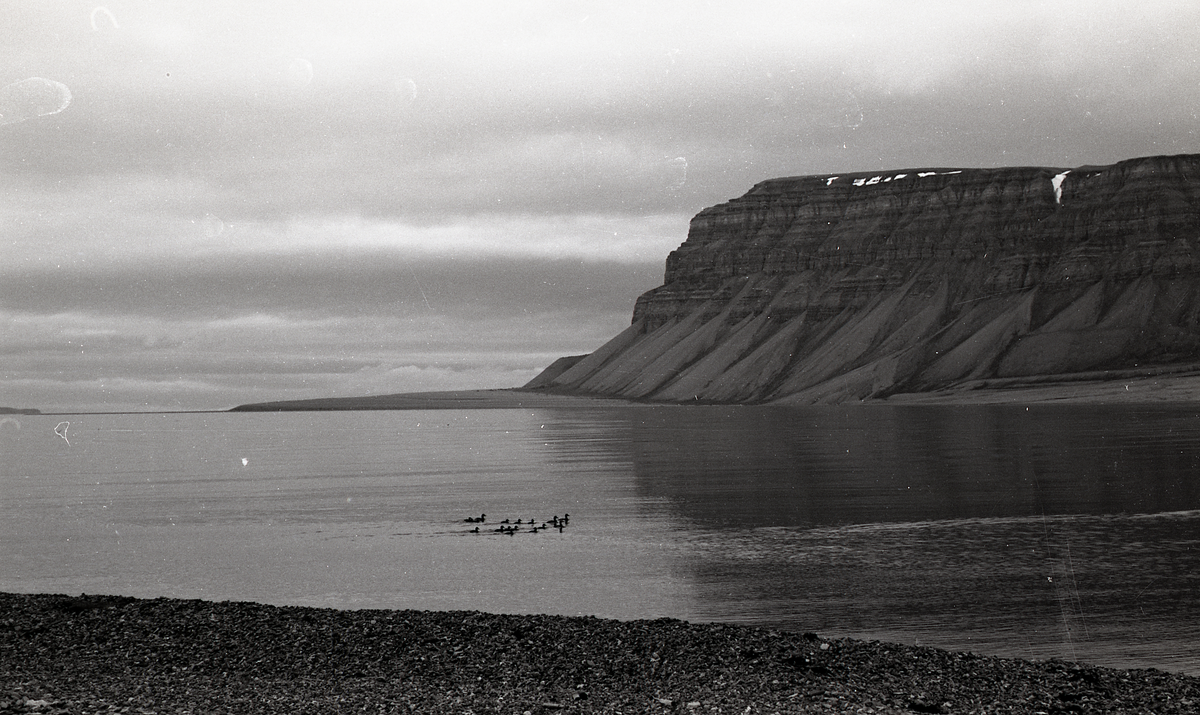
x: 1048, y: 531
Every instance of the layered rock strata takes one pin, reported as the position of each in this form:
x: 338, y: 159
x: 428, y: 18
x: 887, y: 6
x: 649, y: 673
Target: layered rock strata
x: 824, y: 289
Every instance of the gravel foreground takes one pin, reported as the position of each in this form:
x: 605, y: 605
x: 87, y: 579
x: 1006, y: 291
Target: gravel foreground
x: 103, y: 654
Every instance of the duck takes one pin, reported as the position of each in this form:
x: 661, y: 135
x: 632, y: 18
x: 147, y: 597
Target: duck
x: 473, y: 520
x: 475, y: 530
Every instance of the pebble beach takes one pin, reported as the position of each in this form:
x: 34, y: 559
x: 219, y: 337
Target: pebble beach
x: 109, y: 654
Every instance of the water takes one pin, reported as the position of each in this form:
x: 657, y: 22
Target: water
x: 1070, y: 532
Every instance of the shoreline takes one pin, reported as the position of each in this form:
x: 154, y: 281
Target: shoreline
x: 88, y: 654
x: 1127, y: 388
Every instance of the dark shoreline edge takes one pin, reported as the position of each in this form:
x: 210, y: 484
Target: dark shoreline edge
x: 500, y: 398
x: 1148, y: 386
x: 87, y: 654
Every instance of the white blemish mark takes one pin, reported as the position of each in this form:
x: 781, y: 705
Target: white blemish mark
x: 404, y: 93
x: 1057, y: 182
x: 33, y: 97
x: 60, y: 429
x: 873, y: 180
x: 213, y: 226
x: 245, y: 461
x: 859, y: 182
x: 300, y: 72
x: 677, y: 173
x: 101, y: 10
x: 948, y: 173
x: 830, y: 180
x: 923, y: 174
x: 899, y: 176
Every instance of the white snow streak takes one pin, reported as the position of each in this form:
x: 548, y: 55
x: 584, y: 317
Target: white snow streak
x: 885, y: 179
x: 1056, y: 182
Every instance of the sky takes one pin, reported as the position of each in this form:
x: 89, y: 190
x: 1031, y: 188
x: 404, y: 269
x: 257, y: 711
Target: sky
x: 204, y: 204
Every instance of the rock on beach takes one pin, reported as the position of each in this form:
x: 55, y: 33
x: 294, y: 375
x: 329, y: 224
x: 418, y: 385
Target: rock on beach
x: 108, y: 654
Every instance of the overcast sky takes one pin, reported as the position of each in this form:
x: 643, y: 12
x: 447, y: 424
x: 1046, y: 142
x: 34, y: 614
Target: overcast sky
x: 209, y: 203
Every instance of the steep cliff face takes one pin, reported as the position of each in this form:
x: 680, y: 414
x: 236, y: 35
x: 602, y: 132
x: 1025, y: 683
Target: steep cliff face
x: 835, y: 288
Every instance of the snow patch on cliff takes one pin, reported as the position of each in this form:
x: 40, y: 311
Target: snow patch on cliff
x: 881, y: 179
x: 1056, y: 182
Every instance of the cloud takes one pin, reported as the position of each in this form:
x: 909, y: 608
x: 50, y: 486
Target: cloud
x: 57, y: 365
x: 366, y: 275
x: 252, y: 198
x: 211, y: 335
x: 535, y: 109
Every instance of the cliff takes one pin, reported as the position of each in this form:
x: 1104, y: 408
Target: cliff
x: 820, y: 289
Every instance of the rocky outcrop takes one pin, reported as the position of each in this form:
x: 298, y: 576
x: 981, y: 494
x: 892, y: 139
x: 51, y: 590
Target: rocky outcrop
x: 819, y: 289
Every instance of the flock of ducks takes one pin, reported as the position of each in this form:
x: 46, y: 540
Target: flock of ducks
x: 511, y: 527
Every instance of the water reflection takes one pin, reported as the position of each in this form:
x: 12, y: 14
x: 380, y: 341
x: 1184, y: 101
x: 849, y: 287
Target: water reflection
x: 1042, y: 532
x: 805, y: 467
x: 1054, y: 532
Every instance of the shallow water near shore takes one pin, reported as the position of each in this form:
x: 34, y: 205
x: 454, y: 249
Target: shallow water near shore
x: 1048, y: 531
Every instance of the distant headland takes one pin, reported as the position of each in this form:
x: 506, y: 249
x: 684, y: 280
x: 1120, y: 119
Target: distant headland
x: 929, y: 284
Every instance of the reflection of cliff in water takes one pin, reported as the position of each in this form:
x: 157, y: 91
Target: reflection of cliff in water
x: 752, y: 467
x: 1057, y: 531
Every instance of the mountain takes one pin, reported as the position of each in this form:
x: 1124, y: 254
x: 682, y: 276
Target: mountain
x: 836, y: 288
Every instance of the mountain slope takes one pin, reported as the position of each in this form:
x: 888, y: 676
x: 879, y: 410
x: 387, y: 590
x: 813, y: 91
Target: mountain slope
x: 820, y: 289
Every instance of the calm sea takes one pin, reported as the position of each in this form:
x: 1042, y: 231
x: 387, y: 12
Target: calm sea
x: 1051, y: 531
